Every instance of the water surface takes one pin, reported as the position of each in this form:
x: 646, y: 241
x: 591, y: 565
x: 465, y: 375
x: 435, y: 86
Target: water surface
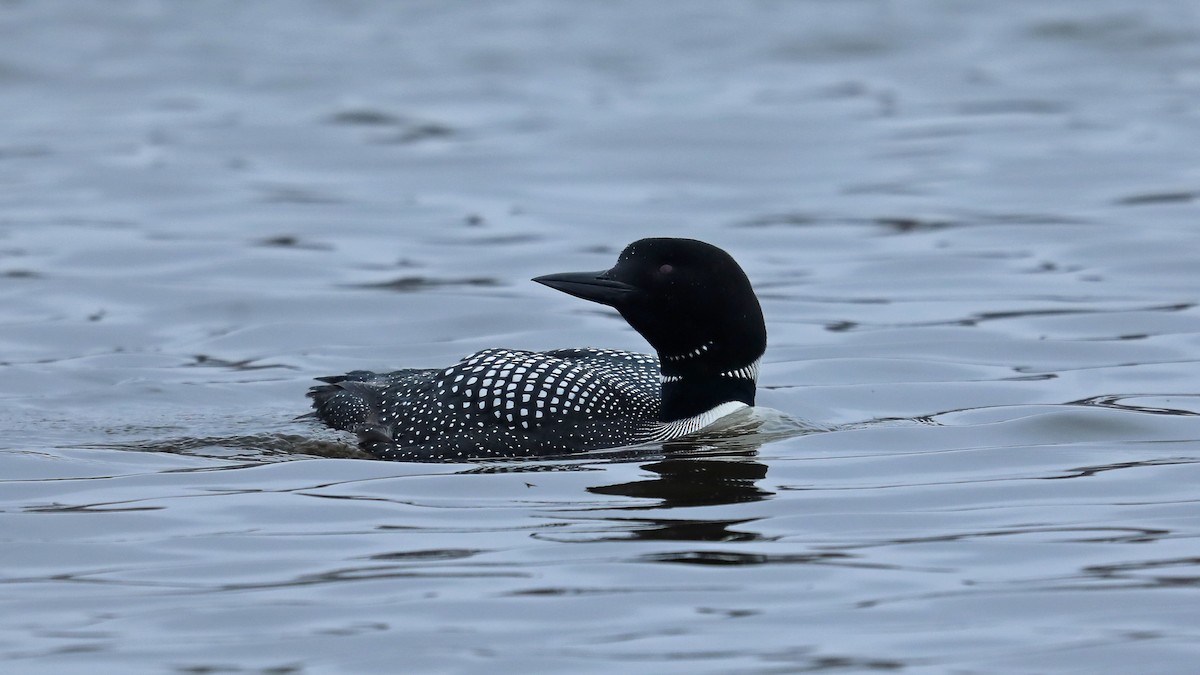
x: 973, y: 227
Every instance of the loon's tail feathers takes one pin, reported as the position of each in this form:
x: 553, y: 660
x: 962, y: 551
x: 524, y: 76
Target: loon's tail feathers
x: 346, y: 404
x: 352, y: 405
x: 357, y: 376
x: 377, y: 441
x: 353, y: 402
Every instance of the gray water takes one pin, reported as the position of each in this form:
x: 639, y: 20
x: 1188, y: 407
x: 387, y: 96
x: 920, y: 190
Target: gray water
x: 973, y: 226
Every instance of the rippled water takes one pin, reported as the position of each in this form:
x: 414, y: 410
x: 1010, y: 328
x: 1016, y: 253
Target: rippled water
x: 974, y: 228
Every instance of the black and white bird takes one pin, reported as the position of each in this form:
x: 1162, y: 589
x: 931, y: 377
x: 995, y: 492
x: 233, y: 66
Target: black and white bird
x: 690, y: 300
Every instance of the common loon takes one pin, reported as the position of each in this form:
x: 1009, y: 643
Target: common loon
x: 690, y: 300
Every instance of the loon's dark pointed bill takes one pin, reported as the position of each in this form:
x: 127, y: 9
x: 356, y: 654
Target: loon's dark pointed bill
x: 592, y: 286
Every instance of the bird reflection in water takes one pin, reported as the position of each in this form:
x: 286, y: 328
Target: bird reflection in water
x: 690, y: 475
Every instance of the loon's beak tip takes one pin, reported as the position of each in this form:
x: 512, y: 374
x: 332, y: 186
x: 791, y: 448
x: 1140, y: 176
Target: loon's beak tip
x: 591, y: 286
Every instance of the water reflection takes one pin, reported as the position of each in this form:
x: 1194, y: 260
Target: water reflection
x: 651, y: 529
x: 686, y: 480
x: 1143, y: 403
x: 722, y: 558
x: 1165, y: 573
x: 695, y: 481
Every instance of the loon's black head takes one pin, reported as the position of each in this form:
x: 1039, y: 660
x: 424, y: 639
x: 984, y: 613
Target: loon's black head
x: 694, y: 305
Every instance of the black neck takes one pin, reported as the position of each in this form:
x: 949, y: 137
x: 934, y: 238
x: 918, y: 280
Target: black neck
x: 693, y: 394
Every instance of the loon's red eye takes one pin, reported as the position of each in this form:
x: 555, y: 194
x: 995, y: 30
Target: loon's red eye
x: 666, y: 268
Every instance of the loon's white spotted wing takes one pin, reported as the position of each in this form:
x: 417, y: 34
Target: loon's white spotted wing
x: 499, y: 403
